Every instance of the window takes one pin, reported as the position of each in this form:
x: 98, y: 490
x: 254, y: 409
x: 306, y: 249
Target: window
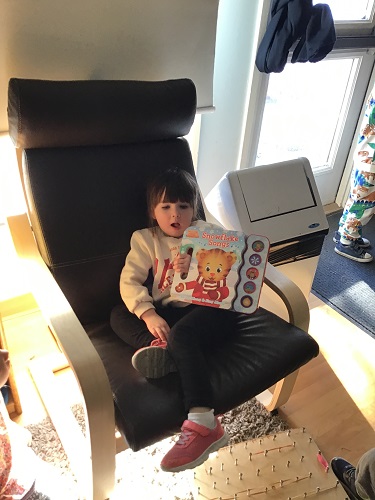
x: 313, y: 100
x: 350, y: 10
x: 352, y: 17
x: 312, y: 109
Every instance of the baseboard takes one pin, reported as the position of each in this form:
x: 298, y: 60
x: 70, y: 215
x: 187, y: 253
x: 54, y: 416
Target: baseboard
x: 331, y: 208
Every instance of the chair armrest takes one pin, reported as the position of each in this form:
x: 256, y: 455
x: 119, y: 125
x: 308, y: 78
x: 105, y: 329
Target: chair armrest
x: 293, y: 298
x: 81, y: 356
x: 299, y: 315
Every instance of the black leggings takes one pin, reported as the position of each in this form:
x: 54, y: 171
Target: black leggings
x: 194, y: 330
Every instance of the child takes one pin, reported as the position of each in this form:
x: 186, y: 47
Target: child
x: 360, y: 205
x: 170, y: 335
x: 16, y: 473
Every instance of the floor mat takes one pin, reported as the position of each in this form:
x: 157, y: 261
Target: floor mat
x: 346, y: 285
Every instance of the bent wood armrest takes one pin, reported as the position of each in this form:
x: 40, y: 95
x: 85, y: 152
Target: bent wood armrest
x: 82, y: 358
x: 299, y: 315
x: 291, y: 295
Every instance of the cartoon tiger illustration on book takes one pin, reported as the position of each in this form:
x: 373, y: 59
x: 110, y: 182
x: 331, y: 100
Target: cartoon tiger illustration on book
x: 214, y: 266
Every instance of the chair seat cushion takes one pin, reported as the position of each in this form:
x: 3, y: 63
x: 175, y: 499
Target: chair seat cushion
x: 244, y: 366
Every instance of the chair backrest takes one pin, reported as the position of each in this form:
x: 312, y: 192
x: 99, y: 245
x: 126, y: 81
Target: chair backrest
x: 90, y: 148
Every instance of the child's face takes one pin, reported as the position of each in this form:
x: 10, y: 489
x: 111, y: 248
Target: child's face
x: 173, y: 218
x: 4, y: 366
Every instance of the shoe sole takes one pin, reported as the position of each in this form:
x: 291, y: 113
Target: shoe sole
x: 348, y: 491
x: 215, y: 446
x: 153, y: 362
x: 357, y: 259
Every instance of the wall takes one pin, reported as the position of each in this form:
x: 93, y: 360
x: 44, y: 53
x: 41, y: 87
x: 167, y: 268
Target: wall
x: 117, y: 39
x: 222, y: 131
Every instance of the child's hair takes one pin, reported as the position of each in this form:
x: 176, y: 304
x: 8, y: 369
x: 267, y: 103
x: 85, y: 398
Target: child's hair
x: 171, y: 186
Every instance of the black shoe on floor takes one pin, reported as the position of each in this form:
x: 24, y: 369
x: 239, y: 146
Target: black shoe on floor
x: 345, y: 473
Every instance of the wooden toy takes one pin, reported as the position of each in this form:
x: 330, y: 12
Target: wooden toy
x: 287, y: 465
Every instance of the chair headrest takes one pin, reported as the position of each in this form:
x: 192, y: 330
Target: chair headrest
x: 45, y: 113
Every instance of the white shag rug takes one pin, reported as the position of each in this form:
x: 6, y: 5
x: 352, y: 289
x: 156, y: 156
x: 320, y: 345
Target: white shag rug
x: 138, y: 475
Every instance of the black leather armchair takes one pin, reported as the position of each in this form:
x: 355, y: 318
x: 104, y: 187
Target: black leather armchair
x: 89, y: 147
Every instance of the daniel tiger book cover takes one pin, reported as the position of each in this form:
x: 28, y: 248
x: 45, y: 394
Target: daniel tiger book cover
x: 226, y: 269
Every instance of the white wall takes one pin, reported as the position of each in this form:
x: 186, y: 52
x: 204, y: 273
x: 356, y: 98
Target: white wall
x: 116, y: 39
x: 222, y: 131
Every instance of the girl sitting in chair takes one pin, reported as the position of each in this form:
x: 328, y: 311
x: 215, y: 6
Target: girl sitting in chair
x: 172, y: 335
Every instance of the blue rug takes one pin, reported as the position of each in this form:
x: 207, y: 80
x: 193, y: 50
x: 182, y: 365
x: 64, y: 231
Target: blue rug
x: 346, y: 285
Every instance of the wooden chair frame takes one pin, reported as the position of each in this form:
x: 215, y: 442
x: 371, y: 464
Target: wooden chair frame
x: 96, y: 471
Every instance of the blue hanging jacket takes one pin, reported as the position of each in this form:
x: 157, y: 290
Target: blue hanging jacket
x: 320, y: 36
x: 290, y: 21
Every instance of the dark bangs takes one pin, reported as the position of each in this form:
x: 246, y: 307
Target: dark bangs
x: 180, y: 192
x: 170, y: 187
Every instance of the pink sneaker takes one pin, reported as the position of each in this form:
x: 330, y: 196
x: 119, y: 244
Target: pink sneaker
x: 193, y: 447
x: 154, y: 361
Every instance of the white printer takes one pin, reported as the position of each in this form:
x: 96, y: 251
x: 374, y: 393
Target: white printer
x: 280, y: 201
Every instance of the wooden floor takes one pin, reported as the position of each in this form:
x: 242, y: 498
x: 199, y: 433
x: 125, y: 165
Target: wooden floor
x: 334, y: 397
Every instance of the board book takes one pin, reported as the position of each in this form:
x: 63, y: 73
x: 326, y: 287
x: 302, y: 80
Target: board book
x: 226, y: 269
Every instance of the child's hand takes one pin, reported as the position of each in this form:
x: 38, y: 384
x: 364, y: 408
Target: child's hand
x: 156, y: 324
x: 4, y: 366
x: 181, y: 263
